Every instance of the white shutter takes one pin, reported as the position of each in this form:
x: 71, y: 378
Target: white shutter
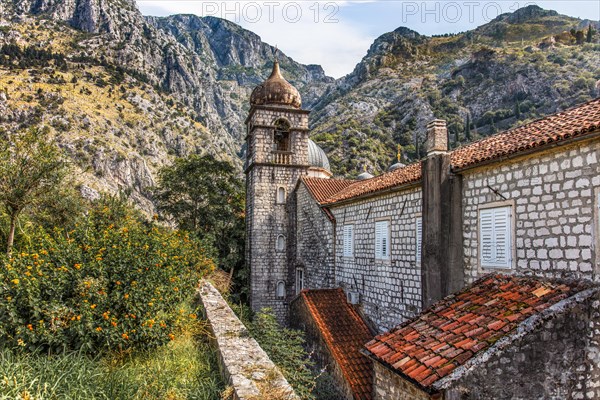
x: 486, y: 237
x: 382, y: 240
x: 419, y: 235
x: 495, y: 237
x: 348, y: 240
x: 377, y: 240
x: 502, y: 237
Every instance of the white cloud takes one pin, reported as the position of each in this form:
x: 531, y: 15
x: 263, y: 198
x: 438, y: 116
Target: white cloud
x: 309, y: 32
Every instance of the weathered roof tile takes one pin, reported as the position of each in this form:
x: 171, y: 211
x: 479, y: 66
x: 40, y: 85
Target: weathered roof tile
x: 574, y: 122
x: 345, y: 333
x: 426, y: 350
x: 323, y: 188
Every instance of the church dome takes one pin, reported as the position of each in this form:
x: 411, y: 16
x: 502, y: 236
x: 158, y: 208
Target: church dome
x: 316, y: 156
x: 276, y: 90
x: 394, y: 167
x: 363, y: 176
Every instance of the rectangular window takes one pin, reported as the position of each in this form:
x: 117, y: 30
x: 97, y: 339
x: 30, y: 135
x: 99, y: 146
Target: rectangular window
x: 299, y: 280
x: 348, y: 240
x: 495, y: 237
x: 382, y: 240
x: 419, y: 237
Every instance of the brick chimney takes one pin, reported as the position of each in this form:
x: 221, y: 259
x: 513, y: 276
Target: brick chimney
x: 437, y: 137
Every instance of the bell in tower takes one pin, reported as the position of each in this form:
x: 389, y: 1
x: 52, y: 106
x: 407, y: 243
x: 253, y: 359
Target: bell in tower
x: 277, y: 156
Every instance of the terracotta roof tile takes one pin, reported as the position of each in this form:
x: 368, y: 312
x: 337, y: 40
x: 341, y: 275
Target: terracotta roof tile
x: 345, y: 333
x: 409, y: 174
x: 576, y: 121
x: 425, y: 350
x: 322, y: 188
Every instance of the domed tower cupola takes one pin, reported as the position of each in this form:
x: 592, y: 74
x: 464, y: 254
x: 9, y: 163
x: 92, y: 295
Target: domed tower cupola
x: 319, y: 163
x: 278, y: 154
x: 276, y: 91
x: 364, y: 175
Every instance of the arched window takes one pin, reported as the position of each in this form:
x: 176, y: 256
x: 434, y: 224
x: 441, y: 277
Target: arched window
x: 281, y: 137
x: 280, y: 243
x: 280, y: 195
x: 281, y: 289
x: 299, y: 280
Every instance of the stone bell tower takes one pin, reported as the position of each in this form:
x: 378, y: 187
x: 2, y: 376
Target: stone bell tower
x: 277, y: 156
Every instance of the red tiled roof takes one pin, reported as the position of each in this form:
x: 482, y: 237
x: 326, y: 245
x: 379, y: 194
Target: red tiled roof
x: 409, y: 174
x: 457, y: 328
x: 345, y: 334
x: 576, y: 121
x: 322, y: 188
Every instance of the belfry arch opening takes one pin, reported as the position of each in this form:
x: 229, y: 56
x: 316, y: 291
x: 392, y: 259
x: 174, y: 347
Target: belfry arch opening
x: 281, y: 136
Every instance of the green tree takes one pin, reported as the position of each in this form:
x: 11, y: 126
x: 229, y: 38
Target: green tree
x: 31, y: 172
x: 468, y: 136
x: 579, y: 37
x: 204, y: 196
x: 590, y: 34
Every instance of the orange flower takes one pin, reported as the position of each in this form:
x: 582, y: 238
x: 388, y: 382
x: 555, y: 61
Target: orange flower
x: 171, y: 336
x: 126, y: 296
x: 98, y: 329
x: 77, y: 266
x: 125, y: 336
x: 30, y: 327
x: 93, y: 306
x: 113, y: 323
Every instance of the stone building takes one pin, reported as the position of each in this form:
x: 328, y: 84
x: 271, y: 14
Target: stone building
x: 522, y: 204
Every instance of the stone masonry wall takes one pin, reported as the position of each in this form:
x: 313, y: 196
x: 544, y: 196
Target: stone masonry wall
x: 559, y: 359
x: 266, y: 218
x: 390, y: 386
x: 390, y: 290
x: 554, y: 202
x: 314, y: 242
x: 244, y: 364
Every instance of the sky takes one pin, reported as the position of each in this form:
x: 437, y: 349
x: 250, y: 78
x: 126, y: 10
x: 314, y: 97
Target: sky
x: 337, y: 34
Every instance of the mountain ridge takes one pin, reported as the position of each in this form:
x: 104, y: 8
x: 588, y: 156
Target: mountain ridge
x: 187, y: 81
x: 124, y: 96
x: 513, y: 69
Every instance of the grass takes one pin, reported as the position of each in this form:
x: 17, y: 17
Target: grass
x: 186, y: 368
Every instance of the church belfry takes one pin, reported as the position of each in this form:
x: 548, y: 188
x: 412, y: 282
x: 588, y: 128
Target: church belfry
x: 277, y: 156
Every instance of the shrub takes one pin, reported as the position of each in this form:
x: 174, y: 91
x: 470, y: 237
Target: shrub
x: 285, y: 348
x: 113, y: 282
x: 185, y: 368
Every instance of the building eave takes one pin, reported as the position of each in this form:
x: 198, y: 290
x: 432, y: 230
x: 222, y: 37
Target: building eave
x: 589, y: 136
x: 399, y: 188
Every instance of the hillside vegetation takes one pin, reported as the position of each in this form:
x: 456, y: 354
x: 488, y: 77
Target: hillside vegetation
x: 124, y: 94
x: 517, y: 68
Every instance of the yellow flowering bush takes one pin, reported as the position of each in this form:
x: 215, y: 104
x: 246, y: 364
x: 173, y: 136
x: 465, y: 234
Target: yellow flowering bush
x: 113, y: 282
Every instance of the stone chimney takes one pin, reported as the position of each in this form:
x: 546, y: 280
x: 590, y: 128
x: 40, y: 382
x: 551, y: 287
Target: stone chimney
x: 442, y: 271
x: 437, y: 137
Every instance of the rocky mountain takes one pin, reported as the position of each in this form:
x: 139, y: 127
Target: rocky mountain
x: 516, y: 68
x: 124, y: 93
